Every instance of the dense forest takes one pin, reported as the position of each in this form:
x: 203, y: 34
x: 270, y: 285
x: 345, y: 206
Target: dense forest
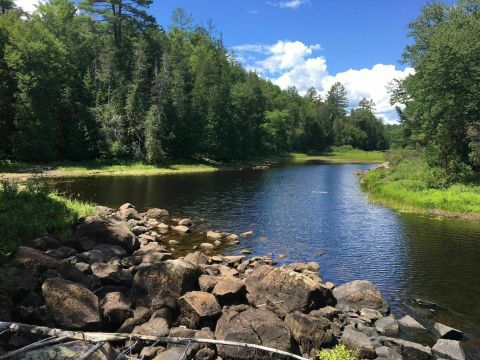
x: 101, y: 79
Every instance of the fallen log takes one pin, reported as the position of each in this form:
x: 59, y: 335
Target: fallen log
x: 118, y: 337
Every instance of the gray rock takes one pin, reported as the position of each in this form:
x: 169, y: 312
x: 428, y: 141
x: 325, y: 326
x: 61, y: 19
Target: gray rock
x: 33, y: 260
x: 174, y: 353
x: 62, y: 252
x: 182, y: 229
x: 359, y: 294
x: 71, y: 305
x: 328, y: 312
x: 207, y: 282
x: 309, y: 332
x: 230, y: 290
x: 139, y: 230
x: 154, y: 327
x: 156, y: 213
x: 116, y: 308
x: 384, y: 352
x: 358, y: 341
x: 255, y: 326
x: 449, y: 349
x: 447, y: 332
x: 408, y: 349
x: 370, y: 314
x: 197, y: 258
x: 409, y: 322
x: 387, y: 326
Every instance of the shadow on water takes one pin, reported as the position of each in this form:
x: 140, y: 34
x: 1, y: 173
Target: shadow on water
x: 305, y: 210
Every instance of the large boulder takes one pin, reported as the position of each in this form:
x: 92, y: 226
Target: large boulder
x: 448, y: 349
x: 359, y: 294
x: 255, y: 326
x: 358, y: 341
x: 33, y: 260
x: 199, y: 309
x: 309, y: 332
x: 286, y: 291
x: 109, y: 231
x: 229, y: 290
x: 71, y: 305
x: 172, y: 276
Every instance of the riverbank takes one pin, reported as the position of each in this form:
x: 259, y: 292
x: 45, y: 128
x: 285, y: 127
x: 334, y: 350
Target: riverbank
x: 407, y: 186
x: 19, y: 171
x: 123, y: 273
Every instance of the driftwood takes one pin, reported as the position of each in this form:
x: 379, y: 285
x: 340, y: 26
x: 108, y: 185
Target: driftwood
x: 118, y: 337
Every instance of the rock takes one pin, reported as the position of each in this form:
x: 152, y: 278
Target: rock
x: 447, y: 332
x: 408, y: 349
x: 70, y: 272
x: 359, y: 294
x: 245, y: 252
x: 173, y: 242
x: 111, y: 251
x: 129, y: 214
x: 33, y: 260
x: 156, y: 257
x: 328, y: 312
x: 62, y: 252
x: 71, y: 305
x: 233, y: 238
x: 197, y: 258
x: 70, y: 351
x: 230, y: 290
x: 83, y: 267
x: 126, y: 206
x: 387, y: 326
x: 358, y: 341
x: 116, y: 308
x: 205, y: 353
x: 139, y: 230
x: 213, y: 235
x: 140, y: 316
x: 246, y: 234
x: 154, y: 327
x: 234, y: 259
x: 255, y: 326
x: 207, y: 282
x: 370, y: 314
x: 151, y: 248
x: 216, y: 259
x: 86, y: 243
x: 6, y: 308
x: 182, y: 229
x: 156, y: 213
x: 310, y: 332
x: 199, y: 309
x: 102, y: 231
x: 384, y: 352
x: 174, y: 353
x: 149, y: 352
x: 207, y: 246
x: 40, y: 244
x: 91, y: 256
x: 111, y: 274
x: 286, y: 291
x: 185, y: 222
x: 448, y: 349
x: 174, y: 276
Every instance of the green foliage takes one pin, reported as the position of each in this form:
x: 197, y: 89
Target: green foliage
x: 339, y: 352
x: 108, y: 82
x: 35, y: 211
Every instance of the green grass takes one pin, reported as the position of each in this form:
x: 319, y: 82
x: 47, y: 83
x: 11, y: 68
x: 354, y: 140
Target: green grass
x: 33, y: 211
x: 339, y: 352
x: 343, y: 156
x: 411, y: 185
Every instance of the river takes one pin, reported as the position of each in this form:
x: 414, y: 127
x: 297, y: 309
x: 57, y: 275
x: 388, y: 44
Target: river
x: 317, y: 212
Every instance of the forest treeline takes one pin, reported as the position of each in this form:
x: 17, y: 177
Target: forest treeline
x: 101, y: 79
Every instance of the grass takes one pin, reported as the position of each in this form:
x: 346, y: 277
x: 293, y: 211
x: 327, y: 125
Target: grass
x: 20, y: 171
x: 339, y: 352
x: 411, y: 186
x: 32, y: 211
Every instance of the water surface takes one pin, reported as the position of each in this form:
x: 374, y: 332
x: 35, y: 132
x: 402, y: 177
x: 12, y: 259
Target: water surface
x: 308, y: 210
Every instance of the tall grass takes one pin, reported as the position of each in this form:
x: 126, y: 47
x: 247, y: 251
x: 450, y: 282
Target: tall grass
x: 412, y: 185
x: 33, y: 211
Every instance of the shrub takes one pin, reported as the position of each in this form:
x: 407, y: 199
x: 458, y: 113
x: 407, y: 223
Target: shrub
x: 339, y: 352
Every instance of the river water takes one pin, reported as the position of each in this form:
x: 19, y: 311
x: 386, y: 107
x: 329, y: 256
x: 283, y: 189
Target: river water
x: 317, y: 212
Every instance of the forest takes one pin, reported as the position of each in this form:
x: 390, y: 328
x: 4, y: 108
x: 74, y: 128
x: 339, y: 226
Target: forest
x: 103, y: 80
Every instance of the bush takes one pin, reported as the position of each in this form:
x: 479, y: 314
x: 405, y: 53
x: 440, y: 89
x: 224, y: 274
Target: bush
x: 33, y: 211
x: 339, y: 352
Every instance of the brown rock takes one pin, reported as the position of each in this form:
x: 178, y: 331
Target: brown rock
x: 116, y: 308
x: 199, y: 309
x: 207, y: 282
x: 230, y: 290
x: 34, y: 261
x: 156, y: 213
x: 155, y: 327
x: 182, y: 229
x: 358, y: 341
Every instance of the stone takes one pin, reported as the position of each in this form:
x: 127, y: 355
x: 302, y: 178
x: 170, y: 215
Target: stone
x: 154, y: 327
x: 129, y: 214
x: 182, y: 229
x: 328, y: 312
x: 173, y: 242
x: 185, y: 222
x: 448, y: 349
x: 245, y: 252
x: 207, y: 282
x: 33, y: 260
x: 387, y: 326
x: 6, y: 308
x: 174, y: 353
x: 70, y: 272
x: 286, y: 291
x: 156, y: 213
x: 156, y: 257
x: 217, y: 259
x: 230, y: 290
x: 91, y: 256
x: 233, y: 238
x: 126, y: 206
x: 384, y: 352
x: 370, y: 314
x: 110, y: 251
x: 70, y: 351
x: 197, y: 258
x: 246, y: 234
x: 149, y: 352
x: 152, y: 282
x: 199, y: 309
x: 151, y: 247
x: 359, y: 294
x: 83, y: 267
x: 447, y: 332
x: 71, y: 305
x: 309, y: 332
x: 408, y: 349
x: 62, y: 252
x: 139, y: 230
x: 86, y: 243
x: 255, y: 326
x: 234, y: 259
x: 40, y: 244
x: 358, y: 341
x: 205, y: 353
x: 116, y: 308
x: 207, y: 246
x: 213, y: 235
x: 102, y: 231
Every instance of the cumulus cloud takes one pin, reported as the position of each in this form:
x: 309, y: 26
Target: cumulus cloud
x: 288, y: 63
x: 290, y: 4
x: 27, y: 5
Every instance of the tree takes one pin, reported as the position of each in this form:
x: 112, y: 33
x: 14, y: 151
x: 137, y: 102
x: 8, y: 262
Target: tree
x: 337, y: 103
x: 6, y: 5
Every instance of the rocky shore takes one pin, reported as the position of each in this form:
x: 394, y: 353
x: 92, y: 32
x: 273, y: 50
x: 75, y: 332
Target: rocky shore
x: 122, y: 275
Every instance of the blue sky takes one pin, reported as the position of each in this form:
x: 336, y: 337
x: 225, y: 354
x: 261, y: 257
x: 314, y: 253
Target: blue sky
x: 306, y: 43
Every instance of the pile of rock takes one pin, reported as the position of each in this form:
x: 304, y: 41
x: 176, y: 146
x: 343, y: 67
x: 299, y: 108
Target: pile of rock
x: 120, y: 276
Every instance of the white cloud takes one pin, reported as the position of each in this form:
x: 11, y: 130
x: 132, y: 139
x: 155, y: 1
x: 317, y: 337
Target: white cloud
x: 290, y: 4
x: 27, y: 5
x: 253, y: 12
x: 289, y: 63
